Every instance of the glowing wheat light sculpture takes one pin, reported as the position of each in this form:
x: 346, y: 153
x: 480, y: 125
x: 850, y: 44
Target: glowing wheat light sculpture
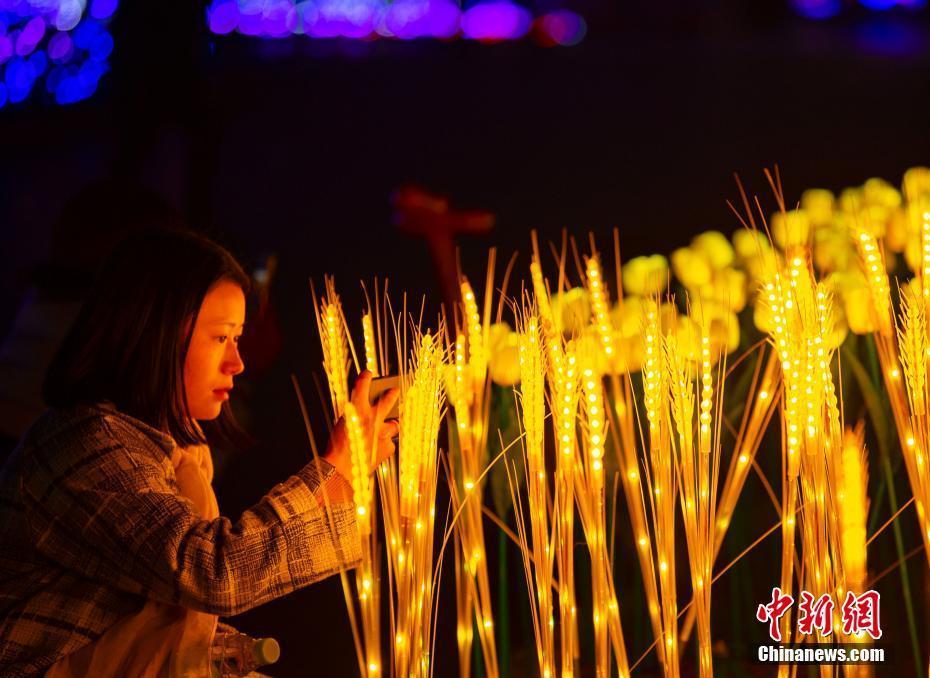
x: 532, y: 404
x: 470, y: 404
x: 661, y: 482
x: 623, y: 433
x: 366, y: 576
x: 908, y: 349
x: 408, y: 503
x: 698, y: 469
x: 334, y: 340
x: 563, y: 385
x: 589, y: 496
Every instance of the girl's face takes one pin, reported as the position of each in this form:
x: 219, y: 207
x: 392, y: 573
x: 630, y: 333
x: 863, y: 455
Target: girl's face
x: 213, y: 357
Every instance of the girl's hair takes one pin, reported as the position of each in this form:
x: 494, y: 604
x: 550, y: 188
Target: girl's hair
x: 131, y: 337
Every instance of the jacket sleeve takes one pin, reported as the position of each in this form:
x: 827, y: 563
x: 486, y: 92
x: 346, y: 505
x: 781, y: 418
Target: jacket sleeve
x: 114, y: 516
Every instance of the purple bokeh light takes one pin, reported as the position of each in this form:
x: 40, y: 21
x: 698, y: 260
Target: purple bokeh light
x: 342, y: 18
x: 412, y: 19
x: 30, y: 36
x: 491, y: 21
x: 6, y: 48
x: 279, y: 18
x: 250, y: 19
x: 60, y: 47
x: 495, y: 21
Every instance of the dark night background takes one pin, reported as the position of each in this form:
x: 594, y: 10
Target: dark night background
x: 294, y: 148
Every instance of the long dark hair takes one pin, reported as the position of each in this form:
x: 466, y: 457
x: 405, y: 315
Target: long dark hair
x: 131, y: 337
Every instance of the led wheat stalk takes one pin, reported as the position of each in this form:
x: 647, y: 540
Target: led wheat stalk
x: 563, y: 385
x: 923, y: 209
x: 851, y: 481
x: 660, y: 482
x: 366, y: 576
x: 469, y: 402
x: 335, y: 352
x: 600, y: 307
x: 564, y: 394
x: 756, y: 417
x: 409, y: 508
x: 784, y: 337
x: 906, y: 420
x: 532, y: 401
x: 460, y: 396
x: 872, y: 261
x: 698, y: 469
x: 371, y: 352
x: 623, y: 434
x: 756, y: 420
x: 802, y: 320
x: 822, y: 442
x: 334, y: 340
x: 914, y: 348
x: 589, y: 496
x: 596, y: 420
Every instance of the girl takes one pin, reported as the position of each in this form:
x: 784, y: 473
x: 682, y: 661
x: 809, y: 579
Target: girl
x: 114, y: 558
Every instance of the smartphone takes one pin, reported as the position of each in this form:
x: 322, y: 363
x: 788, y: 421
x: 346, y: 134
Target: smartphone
x: 381, y: 384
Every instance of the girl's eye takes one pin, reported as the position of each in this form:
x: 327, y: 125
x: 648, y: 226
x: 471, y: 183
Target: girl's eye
x: 236, y: 339
x: 222, y: 338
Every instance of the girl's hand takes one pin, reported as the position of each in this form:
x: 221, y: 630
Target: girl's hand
x: 374, y: 427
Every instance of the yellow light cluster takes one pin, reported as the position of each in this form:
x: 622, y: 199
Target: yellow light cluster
x: 600, y: 307
x: 335, y: 353
x: 371, y: 353
x: 361, y: 468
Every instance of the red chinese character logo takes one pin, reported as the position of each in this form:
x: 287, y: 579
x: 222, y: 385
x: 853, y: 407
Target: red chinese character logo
x: 860, y: 613
x: 815, y: 615
x: 774, y: 611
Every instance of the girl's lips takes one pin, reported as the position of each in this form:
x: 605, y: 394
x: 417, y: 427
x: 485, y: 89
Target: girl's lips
x: 222, y: 393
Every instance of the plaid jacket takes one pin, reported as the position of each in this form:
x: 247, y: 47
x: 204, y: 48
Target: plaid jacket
x: 91, y: 524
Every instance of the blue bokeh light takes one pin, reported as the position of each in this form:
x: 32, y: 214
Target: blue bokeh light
x: 102, y: 9
x: 60, y: 45
x: 223, y: 17
x: 817, y: 9
x: 827, y: 9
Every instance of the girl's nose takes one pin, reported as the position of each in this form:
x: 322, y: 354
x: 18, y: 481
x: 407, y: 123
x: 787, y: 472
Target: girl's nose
x: 233, y: 364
